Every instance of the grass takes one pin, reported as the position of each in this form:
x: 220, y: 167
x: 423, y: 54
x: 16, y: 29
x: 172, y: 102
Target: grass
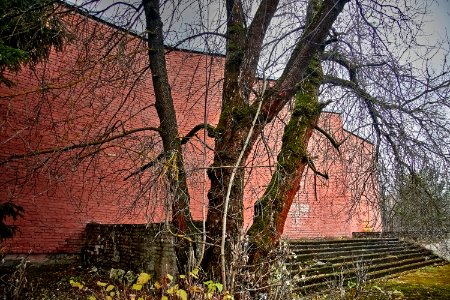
x: 426, y: 283
x: 431, y: 282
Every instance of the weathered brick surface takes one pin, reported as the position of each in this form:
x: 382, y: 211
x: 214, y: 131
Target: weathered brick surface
x: 147, y: 248
x: 77, y: 97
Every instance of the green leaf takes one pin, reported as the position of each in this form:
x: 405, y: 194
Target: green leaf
x: 164, y: 298
x: 211, y: 286
x: 208, y: 283
x: 182, y: 276
x: 219, y: 287
x: 92, y: 298
x: 137, y: 287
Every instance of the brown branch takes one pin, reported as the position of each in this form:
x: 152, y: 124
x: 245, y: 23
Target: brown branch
x: 209, y: 129
x: 351, y: 66
x: 191, y: 37
x: 146, y: 166
x: 330, y: 138
x: 312, y: 166
x: 308, y: 46
x: 255, y: 37
x: 370, y: 102
x: 76, y: 146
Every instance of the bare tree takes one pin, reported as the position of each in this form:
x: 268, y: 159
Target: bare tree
x: 331, y: 54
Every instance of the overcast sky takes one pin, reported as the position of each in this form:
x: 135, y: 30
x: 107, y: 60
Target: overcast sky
x: 437, y: 23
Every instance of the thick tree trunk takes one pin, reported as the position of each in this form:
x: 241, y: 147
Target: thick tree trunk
x: 272, y: 209
x: 176, y: 176
x: 228, y: 145
x: 231, y: 132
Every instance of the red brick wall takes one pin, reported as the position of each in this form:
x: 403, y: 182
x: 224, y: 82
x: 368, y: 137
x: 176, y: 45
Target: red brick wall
x: 87, y: 93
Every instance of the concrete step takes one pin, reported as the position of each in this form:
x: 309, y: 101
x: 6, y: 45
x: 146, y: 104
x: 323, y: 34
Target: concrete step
x: 357, y: 252
x: 298, y: 263
x: 371, y: 268
x: 306, y: 243
x: 361, y: 263
x: 344, y: 247
x: 324, y: 263
x: 311, y: 284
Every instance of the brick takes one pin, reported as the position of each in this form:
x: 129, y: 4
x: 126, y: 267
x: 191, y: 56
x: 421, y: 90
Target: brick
x: 64, y: 195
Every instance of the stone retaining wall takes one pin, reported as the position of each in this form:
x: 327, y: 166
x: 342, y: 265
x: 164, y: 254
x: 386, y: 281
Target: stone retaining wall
x: 138, y: 248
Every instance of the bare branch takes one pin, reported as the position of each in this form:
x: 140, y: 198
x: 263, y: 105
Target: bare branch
x: 311, y: 40
x: 77, y: 146
x: 330, y: 138
x: 312, y: 166
x: 209, y: 128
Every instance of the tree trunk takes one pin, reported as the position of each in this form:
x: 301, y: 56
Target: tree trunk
x: 272, y: 209
x: 232, y: 134
x: 181, y: 216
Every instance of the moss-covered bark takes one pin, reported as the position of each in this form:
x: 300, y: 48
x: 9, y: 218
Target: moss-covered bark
x: 272, y: 209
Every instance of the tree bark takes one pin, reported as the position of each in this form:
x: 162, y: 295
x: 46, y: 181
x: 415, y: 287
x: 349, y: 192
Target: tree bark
x: 236, y: 118
x: 181, y: 215
x: 272, y: 209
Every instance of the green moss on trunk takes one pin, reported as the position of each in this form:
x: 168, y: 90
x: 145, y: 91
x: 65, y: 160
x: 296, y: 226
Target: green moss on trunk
x: 271, y: 210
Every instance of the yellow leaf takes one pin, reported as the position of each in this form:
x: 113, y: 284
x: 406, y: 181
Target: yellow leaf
x: 92, y: 298
x: 170, y: 277
x: 99, y: 283
x: 76, y: 284
x: 141, y: 298
x: 157, y: 285
x: 194, y: 273
x: 182, y: 294
x: 227, y: 296
x: 164, y: 298
x: 195, y: 289
x: 172, y: 290
x: 109, y: 288
x: 109, y: 298
x: 137, y: 287
x: 182, y: 276
x: 143, y: 278
x: 112, y: 294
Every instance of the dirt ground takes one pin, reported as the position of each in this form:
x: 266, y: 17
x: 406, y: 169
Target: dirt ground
x: 46, y: 282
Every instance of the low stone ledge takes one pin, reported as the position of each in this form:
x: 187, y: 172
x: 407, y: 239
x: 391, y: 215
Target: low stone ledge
x: 143, y: 247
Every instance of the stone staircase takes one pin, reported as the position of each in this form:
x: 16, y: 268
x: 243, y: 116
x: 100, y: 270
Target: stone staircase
x: 320, y: 264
